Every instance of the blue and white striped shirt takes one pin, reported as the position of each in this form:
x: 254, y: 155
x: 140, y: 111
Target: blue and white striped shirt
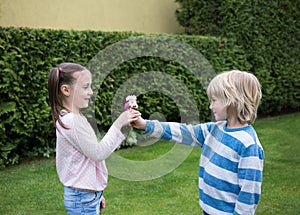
x: 231, y: 164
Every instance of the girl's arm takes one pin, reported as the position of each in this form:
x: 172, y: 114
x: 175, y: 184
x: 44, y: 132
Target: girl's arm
x: 83, y: 137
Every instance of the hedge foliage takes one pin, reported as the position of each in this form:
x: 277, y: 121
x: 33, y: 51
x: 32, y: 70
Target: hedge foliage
x: 268, y: 31
x: 27, y: 55
x: 163, y: 70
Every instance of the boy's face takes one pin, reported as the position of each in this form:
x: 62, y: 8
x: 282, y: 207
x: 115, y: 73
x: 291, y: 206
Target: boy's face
x: 218, y: 108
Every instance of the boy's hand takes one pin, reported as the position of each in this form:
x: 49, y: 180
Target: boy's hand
x: 140, y: 123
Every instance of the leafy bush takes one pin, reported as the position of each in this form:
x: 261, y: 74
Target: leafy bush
x: 26, y: 56
x: 269, y: 33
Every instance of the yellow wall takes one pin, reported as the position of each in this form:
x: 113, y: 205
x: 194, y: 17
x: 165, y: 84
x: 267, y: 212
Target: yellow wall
x: 148, y: 16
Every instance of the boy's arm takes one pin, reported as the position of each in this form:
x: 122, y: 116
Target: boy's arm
x: 171, y: 131
x: 250, y: 180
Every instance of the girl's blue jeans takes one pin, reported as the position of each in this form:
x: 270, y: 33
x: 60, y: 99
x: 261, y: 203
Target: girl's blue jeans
x: 81, y: 202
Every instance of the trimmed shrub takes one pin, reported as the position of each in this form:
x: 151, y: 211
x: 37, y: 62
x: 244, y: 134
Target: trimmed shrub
x: 27, y: 55
x: 269, y: 33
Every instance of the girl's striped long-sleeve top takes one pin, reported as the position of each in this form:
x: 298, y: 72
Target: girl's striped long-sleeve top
x: 231, y: 163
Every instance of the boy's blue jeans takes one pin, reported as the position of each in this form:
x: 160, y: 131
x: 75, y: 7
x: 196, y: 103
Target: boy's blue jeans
x: 81, y: 202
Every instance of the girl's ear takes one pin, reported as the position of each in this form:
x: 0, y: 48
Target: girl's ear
x: 65, y: 90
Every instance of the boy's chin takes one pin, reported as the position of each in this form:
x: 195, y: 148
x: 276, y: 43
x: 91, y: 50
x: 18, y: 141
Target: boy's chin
x: 220, y: 118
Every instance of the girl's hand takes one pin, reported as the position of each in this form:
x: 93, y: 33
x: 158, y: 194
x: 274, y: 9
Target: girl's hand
x: 127, y: 118
x: 102, y: 203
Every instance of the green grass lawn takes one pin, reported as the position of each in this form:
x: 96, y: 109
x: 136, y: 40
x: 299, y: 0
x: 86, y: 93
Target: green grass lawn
x: 33, y: 186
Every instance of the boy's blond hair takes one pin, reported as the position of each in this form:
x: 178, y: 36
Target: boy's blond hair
x: 239, y: 89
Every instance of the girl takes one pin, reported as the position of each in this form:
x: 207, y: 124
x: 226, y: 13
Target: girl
x: 231, y: 165
x: 79, y: 156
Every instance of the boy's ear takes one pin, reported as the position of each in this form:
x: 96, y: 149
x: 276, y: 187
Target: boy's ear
x: 65, y: 89
x: 233, y: 104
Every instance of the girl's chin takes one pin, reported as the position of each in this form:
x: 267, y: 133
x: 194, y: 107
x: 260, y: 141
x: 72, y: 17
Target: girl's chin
x: 84, y: 106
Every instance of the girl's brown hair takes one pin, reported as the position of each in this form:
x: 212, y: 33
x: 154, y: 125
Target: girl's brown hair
x: 62, y: 74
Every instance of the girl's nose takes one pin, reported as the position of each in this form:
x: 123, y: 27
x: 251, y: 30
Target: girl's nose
x: 91, y: 92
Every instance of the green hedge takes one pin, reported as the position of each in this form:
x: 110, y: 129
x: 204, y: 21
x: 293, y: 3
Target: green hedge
x: 26, y: 56
x: 269, y: 33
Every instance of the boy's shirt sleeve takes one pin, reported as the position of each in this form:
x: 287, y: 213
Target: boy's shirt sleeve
x: 177, y: 132
x: 250, y: 179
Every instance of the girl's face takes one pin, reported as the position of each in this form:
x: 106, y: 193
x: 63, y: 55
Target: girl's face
x: 218, y: 109
x: 81, y: 91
